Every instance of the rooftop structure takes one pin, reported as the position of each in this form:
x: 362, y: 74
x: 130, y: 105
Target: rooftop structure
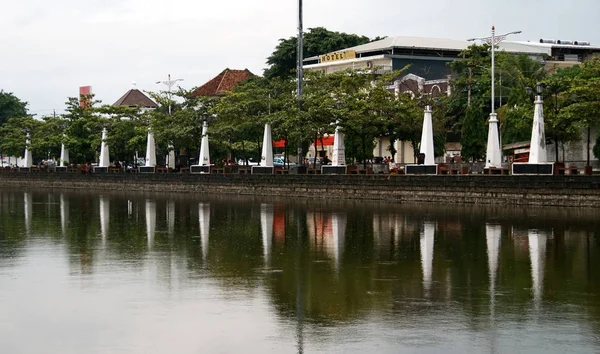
x: 135, y: 98
x: 222, y: 83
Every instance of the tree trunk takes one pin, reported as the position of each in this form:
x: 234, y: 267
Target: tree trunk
x: 588, y: 145
x: 315, y: 158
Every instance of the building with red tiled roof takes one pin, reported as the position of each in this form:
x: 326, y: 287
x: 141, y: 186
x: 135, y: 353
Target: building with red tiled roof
x: 136, y: 98
x: 222, y: 83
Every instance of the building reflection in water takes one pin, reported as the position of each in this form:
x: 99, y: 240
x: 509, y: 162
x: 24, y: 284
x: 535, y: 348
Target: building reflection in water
x: 537, y: 256
x: 27, y: 210
x: 150, y: 221
x: 204, y: 221
x: 266, y: 226
x: 427, y: 239
x: 64, y: 214
x: 170, y: 207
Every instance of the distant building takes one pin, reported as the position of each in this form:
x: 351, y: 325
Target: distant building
x: 429, y: 72
x: 136, y: 98
x: 222, y: 83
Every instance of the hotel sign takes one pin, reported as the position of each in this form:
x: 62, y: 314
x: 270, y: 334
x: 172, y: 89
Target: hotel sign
x: 346, y: 54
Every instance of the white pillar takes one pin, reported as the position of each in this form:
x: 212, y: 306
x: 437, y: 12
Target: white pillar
x: 427, y: 138
x: 266, y: 159
x: 171, y: 157
x: 64, y: 156
x: 266, y: 225
x: 339, y: 152
x: 427, y: 238
x: 492, y: 156
x: 104, y: 154
x: 537, y: 149
x: 204, y: 159
x: 150, y: 150
x: 28, y: 160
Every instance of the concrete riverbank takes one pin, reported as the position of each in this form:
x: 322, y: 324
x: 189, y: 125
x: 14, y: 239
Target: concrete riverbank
x: 564, y: 191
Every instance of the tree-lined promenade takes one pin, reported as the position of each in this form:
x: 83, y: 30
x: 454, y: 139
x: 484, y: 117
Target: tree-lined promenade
x: 361, y: 101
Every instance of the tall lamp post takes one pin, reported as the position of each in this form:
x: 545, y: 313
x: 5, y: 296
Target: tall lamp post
x: 493, y: 153
x: 300, y: 72
x: 169, y: 83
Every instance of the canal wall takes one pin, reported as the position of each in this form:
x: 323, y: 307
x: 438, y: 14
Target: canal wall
x: 563, y: 191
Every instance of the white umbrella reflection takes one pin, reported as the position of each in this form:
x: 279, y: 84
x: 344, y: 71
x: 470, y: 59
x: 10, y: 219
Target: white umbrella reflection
x: 338, y: 228
x: 537, y: 255
x: 427, y: 239
x: 28, y: 210
x: 150, y: 221
x: 170, y: 217
x: 104, y: 217
x: 64, y: 214
x: 266, y: 225
x: 204, y: 218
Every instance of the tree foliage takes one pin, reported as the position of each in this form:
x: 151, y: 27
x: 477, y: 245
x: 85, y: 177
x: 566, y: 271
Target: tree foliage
x: 11, y: 107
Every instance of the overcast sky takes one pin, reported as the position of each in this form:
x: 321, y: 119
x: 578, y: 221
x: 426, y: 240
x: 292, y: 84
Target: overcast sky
x: 50, y: 48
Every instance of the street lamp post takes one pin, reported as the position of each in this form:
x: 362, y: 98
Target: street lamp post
x: 493, y: 154
x: 300, y: 78
x: 169, y: 83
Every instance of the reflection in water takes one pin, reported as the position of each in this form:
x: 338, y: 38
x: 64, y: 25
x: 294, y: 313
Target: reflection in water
x: 537, y: 255
x: 170, y: 206
x: 204, y: 220
x: 347, y: 277
x: 338, y: 229
x: 28, y: 211
x: 104, y: 217
x: 150, y: 221
x: 427, y: 238
x: 64, y: 214
x: 266, y: 226
x: 492, y: 239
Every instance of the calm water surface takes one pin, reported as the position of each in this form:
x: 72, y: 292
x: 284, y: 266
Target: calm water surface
x: 156, y: 273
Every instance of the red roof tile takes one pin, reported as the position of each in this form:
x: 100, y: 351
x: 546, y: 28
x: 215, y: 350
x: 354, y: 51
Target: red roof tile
x: 222, y: 83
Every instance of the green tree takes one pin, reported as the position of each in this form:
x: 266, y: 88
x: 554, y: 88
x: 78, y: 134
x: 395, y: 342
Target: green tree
x: 11, y: 107
x: 474, y: 133
x: 13, y: 132
x: 316, y: 41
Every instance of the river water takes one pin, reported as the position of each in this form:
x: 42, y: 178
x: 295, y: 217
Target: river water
x: 157, y: 273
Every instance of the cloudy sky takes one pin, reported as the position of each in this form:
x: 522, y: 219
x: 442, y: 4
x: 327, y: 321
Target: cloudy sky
x: 50, y: 48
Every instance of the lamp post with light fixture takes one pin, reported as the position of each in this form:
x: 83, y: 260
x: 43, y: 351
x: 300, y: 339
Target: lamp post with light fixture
x: 493, y: 151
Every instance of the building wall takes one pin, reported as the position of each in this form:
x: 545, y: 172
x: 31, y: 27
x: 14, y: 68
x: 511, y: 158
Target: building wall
x: 429, y: 69
x: 575, y: 153
x: 404, y: 150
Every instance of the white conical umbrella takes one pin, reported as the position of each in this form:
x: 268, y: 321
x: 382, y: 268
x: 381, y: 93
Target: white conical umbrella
x: 28, y: 160
x: 171, y: 157
x: 204, y: 158
x: 150, y: 150
x: 339, y: 153
x: 537, y: 149
x: 64, y: 155
x: 266, y: 159
x: 104, y: 154
x: 427, y: 138
x: 492, y: 158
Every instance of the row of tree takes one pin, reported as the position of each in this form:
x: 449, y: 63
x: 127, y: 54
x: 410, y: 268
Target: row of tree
x: 361, y: 102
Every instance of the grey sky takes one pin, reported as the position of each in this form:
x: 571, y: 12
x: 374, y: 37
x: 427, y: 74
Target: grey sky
x: 50, y: 48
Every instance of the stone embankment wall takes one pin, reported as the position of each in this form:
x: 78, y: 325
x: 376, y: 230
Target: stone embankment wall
x: 573, y: 191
